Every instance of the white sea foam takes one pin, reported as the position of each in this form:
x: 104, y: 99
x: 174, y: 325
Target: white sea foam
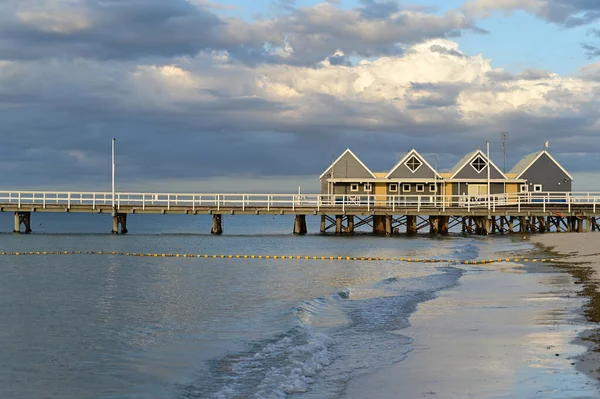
x: 282, y: 367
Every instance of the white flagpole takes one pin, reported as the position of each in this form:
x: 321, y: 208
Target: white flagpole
x: 113, y: 172
x: 488, y: 173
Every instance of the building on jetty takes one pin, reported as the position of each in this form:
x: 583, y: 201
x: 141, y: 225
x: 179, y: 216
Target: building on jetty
x: 413, y: 175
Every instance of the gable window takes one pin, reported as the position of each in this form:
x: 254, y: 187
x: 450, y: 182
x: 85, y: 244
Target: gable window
x: 478, y: 164
x: 537, y: 188
x: 393, y: 187
x: 413, y: 164
x: 367, y: 187
x: 524, y: 188
x: 354, y: 187
x: 406, y: 188
x: 420, y: 188
x: 432, y: 188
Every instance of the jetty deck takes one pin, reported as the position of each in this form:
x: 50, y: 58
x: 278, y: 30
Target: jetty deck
x: 387, y: 214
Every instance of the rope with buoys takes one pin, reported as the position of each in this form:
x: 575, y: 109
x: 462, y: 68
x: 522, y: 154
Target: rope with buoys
x: 279, y: 257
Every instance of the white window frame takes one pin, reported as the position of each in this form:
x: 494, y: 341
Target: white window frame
x: 536, y: 187
x: 433, y: 188
x: 368, y: 187
x: 420, y: 188
x: 410, y: 159
x: 404, y: 190
x: 523, y: 188
x: 473, y: 161
x: 393, y: 187
x: 354, y: 187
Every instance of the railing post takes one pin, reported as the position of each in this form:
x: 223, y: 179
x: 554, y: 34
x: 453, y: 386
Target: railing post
x: 419, y: 203
x: 44, y: 200
x: 544, y: 204
x: 369, y: 202
x: 569, y: 201
x: 68, y: 200
x: 343, y: 203
x: 19, y: 199
x: 293, y: 202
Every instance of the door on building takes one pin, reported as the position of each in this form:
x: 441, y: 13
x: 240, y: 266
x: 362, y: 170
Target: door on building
x: 476, y: 191
x: 380, y: 193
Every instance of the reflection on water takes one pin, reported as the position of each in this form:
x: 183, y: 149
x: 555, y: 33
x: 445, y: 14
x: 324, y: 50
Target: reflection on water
x: 121, y: 327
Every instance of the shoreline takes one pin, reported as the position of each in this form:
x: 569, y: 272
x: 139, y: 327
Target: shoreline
x: 579, y: 255
x: 500, y: 332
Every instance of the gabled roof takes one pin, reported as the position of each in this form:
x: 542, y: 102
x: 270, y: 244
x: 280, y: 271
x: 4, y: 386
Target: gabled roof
x: 463, y: 161
x: 528, y: 160
x: 524, y: 163
x: 340, y: 157
x: 467, y: 158
x: 406, y: 157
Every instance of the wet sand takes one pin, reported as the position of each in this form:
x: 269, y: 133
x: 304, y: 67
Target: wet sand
x: 572, y: 250
x: 506, y: 331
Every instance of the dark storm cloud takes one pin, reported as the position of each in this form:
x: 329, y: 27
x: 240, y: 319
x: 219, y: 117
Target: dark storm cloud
x: 572, y: 13
x: 443, y: 50
x: 567, y: 13
x: 378, y: 9
x: 135, y: 29
x: 112, y: 30
x: 591, y: 51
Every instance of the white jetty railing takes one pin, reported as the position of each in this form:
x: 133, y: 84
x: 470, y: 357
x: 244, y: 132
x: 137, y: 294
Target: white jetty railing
x: 538, y: 200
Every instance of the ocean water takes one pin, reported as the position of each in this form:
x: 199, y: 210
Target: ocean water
x: 104, y: 326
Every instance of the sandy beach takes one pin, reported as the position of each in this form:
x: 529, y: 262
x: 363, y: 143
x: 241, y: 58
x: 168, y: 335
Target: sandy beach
x: 580, y: 250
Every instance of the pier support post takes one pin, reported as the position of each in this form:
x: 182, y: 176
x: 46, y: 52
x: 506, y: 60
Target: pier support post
x: 588, y: 224
x: 388, y: 225
x: 17, y: 228
x: 217, y: 226
x: 486, y: 222
x: 522, y: 225
x: 338, y: 224
x: 443, y: 222
x: 323, y: 224
x: 433, y: 224
x: 22, y: 218
x: 542, y: 225
x: 350, y: 228
x: 379, y: 224
x: 411, y: 225
x: 300, y: 225
x: 119, y: 219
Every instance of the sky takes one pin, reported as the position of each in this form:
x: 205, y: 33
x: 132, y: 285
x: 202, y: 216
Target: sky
x: 260, y: 95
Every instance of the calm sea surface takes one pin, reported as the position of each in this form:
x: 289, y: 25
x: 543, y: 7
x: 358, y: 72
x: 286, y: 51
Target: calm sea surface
x: 102, y: 326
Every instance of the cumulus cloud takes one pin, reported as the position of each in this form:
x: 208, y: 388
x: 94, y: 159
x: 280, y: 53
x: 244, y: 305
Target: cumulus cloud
x: 568, y: 13
x: 209, y: 116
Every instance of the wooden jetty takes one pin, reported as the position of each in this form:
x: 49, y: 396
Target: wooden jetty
x: 537, y: 212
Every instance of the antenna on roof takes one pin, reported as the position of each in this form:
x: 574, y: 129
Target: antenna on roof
x: 504, y: 138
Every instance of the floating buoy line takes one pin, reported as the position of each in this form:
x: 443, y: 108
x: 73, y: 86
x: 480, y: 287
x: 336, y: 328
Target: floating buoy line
x: 277, y: 257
